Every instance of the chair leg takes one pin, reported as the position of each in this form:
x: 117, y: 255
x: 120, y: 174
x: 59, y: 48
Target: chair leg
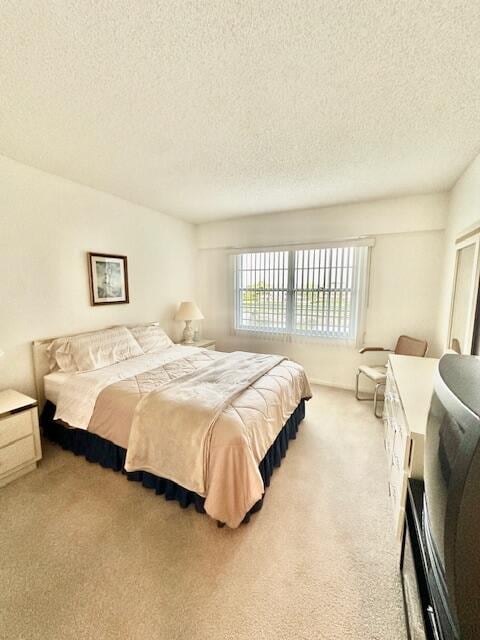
x: 375, y: 399
x: 356, y: 385
x: 357, y: 393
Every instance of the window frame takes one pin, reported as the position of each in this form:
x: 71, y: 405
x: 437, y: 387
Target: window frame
x: 359, y: 294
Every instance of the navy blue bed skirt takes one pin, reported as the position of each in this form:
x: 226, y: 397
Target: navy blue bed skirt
x: 109, y: 455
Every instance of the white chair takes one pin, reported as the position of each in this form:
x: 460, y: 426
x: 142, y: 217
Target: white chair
x: 406, y: 346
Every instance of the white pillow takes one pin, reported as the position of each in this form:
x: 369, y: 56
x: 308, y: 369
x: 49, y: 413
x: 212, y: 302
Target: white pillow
x: 100, y: 349
x: 151, y: 337
x: 59, y: 356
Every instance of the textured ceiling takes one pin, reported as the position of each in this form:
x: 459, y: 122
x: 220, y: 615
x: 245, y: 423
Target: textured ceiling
x: 215, y: 109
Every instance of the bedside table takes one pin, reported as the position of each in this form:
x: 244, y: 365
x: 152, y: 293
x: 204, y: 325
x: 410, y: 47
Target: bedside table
x: 203, y: 343
x: 19, y: 435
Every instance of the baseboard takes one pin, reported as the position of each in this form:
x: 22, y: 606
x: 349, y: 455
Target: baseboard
x: 326, y: 383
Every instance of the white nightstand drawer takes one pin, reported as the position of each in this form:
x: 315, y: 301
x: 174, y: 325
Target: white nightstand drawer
x: 15, y: 426
x: 20, y: 446
x: 17, y: 454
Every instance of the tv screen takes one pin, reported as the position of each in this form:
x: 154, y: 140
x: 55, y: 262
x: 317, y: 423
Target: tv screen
x: 445, y: 435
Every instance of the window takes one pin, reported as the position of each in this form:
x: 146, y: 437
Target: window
x: 310, y: 292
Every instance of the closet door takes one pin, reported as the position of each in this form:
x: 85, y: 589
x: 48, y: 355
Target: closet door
x: 463, y: 336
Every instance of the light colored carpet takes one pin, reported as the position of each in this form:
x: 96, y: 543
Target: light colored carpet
x: 86, y: 554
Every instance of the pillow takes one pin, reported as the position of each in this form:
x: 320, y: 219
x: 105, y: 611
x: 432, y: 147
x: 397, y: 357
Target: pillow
x: 92, y: 351
x: 59, y: 356
x: 151, y: 337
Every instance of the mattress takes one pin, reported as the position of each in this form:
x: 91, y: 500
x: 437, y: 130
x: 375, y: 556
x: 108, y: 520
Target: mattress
x: 52, y: 384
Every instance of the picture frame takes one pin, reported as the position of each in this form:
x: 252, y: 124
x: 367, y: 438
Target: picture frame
x: 108, y: 274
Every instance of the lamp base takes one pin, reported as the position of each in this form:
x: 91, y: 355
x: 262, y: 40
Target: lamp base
x: 188, y: 333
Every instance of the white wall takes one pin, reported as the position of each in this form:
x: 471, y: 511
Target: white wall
x: 47, y: 225
x: 395, y: 215
x: 463, y: 212
x: 407, y: 263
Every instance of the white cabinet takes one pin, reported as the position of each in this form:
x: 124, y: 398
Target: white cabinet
x: 407, y: 402
x: 20, y: 447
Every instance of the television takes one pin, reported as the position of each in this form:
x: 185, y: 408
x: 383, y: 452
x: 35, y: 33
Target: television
x: 451, y: 510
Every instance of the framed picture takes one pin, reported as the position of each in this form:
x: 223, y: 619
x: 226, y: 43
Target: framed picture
x: 108, y: 278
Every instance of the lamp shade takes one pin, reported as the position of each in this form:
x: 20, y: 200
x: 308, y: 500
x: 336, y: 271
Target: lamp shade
x: 189, y: 311
x: 2, y: 353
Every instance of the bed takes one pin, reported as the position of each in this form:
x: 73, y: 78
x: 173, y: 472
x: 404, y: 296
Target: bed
x: 198, y: 426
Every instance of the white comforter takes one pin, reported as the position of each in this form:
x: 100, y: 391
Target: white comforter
x: 173, y: 424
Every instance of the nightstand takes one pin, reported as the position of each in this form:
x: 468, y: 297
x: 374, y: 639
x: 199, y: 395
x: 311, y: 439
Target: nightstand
x: 204, y: 343
x: 20, y: 447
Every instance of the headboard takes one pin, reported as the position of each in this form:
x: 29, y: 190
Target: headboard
x: 40, y: 359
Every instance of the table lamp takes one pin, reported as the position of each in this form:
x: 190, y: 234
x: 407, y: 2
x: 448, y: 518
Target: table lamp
x: 188, y: 311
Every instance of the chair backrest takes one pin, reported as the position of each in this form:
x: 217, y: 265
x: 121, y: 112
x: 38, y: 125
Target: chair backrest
x: 455, y: 346
x: 407, y: 346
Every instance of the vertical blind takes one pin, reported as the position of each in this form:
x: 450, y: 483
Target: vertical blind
x: 309, y: 292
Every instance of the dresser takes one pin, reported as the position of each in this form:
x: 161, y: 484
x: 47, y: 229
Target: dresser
x: 408, y: 394
x: 20, y: 447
